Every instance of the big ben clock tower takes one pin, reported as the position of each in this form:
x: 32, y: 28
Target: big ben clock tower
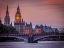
x: 18, y: 23
x: 18, y: 15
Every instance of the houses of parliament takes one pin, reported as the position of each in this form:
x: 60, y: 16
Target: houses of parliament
x: 23, y: 27
x: 19, y: 23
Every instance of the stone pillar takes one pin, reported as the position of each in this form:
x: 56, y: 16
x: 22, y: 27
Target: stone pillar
x: 30, y: 38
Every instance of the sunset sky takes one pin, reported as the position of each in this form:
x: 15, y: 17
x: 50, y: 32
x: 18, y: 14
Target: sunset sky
x: 49, y: 12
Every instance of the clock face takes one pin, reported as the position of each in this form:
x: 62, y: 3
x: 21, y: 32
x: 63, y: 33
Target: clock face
x: 17, y: 18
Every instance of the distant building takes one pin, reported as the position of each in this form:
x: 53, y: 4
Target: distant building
x: 41, y: 29
x: 61, y: 30
x: 28, y: 28
x: 47, y: 29
x: 41, y: 26
x: 37, y: 29
x: 7, y: 18
x: 55, y: 30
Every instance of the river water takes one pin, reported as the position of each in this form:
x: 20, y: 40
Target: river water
x: 44, y: 44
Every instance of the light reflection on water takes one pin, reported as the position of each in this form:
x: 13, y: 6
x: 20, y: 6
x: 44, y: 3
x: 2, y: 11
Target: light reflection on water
x: 31, y: 45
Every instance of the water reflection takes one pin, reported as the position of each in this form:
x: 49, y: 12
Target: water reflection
x: 32, y: 45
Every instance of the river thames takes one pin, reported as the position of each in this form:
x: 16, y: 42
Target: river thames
x: 44, y: 44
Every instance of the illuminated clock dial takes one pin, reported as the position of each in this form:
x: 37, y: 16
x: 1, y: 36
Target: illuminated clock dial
x: 17, y: 18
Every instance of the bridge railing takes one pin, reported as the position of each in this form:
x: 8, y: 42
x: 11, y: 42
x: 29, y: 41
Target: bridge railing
x: 44, y: 33
x: 11, y: 34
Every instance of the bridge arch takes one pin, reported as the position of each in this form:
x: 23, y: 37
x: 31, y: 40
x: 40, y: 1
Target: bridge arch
x: 42, y: 37
x: 14, y: 37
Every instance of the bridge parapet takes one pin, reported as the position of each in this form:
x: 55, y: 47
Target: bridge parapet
x: 44, y: 36
x: 13, y: 35
x: 20, y: 36
x: 34, y: 37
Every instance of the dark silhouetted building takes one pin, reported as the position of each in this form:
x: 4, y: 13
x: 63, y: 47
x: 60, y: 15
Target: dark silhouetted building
x: 0, y: 21
x: 7, y: 18
x: 37, y: 30
x: 28, y: 28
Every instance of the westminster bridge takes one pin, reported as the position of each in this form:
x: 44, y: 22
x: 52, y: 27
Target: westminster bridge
x: 30, y: 38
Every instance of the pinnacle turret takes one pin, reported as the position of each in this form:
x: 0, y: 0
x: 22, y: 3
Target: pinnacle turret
x: 18, y: 7
x: 7, y: 13
x: 7, y: 18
